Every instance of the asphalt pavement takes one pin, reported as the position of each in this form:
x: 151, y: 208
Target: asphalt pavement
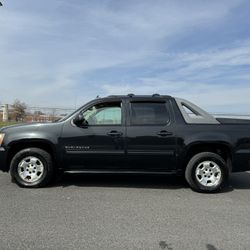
x: 124, y: 212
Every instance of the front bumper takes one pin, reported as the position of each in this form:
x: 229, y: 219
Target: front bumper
x: 3, y: 160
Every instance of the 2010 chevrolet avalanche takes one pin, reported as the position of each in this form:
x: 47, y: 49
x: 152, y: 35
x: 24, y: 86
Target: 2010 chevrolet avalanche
x: 155, y: 134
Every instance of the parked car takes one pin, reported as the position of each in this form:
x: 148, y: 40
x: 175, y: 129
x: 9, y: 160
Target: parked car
x: 155, y: 134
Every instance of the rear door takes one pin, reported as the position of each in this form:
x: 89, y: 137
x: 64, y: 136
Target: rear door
x: 151, y: 142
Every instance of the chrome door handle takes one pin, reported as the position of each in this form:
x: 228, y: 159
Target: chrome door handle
x: 114, y: 133
x: 164, y: 133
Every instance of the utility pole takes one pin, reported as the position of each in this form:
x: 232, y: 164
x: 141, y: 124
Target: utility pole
x: 5, y: 112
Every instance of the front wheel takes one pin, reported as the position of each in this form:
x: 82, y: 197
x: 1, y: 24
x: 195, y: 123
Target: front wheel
x: 207, y: 172
x: 32, y: 167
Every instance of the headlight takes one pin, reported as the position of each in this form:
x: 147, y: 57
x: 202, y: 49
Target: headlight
x: 1, y: 139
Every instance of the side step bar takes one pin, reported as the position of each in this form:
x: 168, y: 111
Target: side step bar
x: 120, y: 172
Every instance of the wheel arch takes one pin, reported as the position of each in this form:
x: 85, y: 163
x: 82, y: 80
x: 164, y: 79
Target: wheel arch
x: 221, y: 148
x: 43, y: 144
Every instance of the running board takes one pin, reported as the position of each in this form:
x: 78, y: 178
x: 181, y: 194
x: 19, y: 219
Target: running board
x: 171, y: 172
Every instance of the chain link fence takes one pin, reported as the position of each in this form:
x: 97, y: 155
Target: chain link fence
x: 50, y: 114
x: 34, y: 113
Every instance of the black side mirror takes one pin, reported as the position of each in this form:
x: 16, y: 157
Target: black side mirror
x: 80, y: 121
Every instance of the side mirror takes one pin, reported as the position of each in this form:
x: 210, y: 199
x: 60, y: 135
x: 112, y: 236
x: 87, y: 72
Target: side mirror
x: 80, y: 121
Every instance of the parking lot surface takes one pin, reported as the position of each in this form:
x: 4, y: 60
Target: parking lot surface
x: 124, y: 212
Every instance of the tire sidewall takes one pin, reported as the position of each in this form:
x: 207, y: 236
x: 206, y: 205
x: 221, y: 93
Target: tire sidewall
x: 18, y: 158
x: 221, y: 164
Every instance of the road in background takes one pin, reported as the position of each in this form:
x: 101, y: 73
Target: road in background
x: 124, y: 212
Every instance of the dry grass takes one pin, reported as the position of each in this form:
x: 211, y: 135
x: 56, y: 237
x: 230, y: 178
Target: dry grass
x: 3, y: 124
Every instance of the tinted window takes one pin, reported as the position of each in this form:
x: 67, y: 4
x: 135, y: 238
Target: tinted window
x: 190, y: 112
x: 147, y: 113
x: 104, y: 114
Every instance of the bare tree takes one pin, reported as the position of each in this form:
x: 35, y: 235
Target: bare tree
x: 19, y: 110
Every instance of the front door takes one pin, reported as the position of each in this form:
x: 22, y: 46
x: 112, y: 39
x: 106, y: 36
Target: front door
x: 151, y: 142
x: 99, y: 143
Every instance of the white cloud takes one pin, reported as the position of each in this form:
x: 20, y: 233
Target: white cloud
x: 189, y: 75
x: 46, y: 55
x: 215, y: 98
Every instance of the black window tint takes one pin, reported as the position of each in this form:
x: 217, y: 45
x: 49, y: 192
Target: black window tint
x: 190, y: 112
x: 146, y: 113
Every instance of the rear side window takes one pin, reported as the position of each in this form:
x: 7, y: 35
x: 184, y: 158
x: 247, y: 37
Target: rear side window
x: 149, y: 113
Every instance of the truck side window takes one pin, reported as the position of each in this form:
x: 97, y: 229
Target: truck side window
x: 149, y: 113
x: 104, y: 114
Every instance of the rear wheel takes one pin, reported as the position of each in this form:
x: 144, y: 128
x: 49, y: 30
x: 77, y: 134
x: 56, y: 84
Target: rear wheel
x: 207, y: 172
x: 32, y: 167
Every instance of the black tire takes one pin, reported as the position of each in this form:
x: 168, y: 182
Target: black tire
x: 190, y: 173
x: 43, y: 156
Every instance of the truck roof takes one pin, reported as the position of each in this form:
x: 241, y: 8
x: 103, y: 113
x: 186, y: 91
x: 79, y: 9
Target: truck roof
x: 191, y: 113
x: 139, y: 96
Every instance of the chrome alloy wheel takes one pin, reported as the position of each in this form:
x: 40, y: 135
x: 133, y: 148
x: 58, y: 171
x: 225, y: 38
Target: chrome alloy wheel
x: 30, y: 169
x: 208, y: 174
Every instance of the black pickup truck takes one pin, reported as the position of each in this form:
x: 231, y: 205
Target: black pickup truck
x: 155, y: 134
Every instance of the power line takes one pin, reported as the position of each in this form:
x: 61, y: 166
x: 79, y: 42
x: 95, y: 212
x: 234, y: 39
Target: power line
x: 55, y: 108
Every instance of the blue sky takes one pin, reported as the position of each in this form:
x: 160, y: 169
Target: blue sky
x: 66, y: 52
